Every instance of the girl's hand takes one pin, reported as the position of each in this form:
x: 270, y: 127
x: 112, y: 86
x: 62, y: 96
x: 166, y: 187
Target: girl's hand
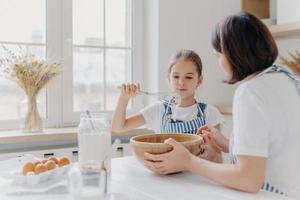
x: 213, y: 139
x: 209, y: 150
x: 129, y: 90
x: 174, y: 161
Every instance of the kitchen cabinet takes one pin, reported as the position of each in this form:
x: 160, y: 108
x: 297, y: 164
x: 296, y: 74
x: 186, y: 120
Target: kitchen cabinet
x: 260, y: 8
x: 288, y: 24
x: 71, y: 153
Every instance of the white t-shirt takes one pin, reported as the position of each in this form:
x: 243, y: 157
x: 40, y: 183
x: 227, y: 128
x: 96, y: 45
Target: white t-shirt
x: 154, y: 112
x: 266, y: 123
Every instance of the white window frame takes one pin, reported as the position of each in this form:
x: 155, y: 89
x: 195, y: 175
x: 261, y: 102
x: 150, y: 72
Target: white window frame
x: 59, y: 46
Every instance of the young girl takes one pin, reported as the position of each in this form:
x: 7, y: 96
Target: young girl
x: 266, y: 111
x: 184, y: 76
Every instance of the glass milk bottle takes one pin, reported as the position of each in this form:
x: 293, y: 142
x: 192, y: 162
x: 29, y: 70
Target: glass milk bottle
x: 94, y: 144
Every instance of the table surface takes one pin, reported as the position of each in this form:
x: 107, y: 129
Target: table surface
x: 136, y: 182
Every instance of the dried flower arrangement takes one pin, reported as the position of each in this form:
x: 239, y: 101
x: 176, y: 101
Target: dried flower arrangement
x: 31, y: 75
x: 294, y: 63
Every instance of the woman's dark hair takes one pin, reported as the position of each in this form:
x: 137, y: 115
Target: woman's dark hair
x: 187, y: 55
x: 246, y: 43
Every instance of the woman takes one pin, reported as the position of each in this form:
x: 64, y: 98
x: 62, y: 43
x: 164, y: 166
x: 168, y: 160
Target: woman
x: 266, y: 110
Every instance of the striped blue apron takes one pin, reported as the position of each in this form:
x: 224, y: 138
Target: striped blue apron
x: 296, y: 80
x: 170, y: 125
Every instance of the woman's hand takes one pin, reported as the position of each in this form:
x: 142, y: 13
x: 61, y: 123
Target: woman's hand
x: 129, y: 90
x: 213, y: 139
x: 174, y: 161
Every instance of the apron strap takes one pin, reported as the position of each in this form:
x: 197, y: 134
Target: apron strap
x: 293, y: 76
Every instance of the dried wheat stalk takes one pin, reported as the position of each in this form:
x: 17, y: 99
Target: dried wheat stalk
x: 293, y: 63
x: 29, y: 73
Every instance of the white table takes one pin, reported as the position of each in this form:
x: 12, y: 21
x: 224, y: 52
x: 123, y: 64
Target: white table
x: 129, y: 177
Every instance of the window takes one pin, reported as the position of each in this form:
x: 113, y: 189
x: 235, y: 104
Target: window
x: 93, y: 40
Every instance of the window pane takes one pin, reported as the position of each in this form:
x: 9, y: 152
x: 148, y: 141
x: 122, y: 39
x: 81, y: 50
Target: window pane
x: 88, y: 62
x: 88, y: 79
x: 118, y: 23
x: 23, y: 21
x: 118, y: 68
x: 88, y: 22
x: 13, y: 99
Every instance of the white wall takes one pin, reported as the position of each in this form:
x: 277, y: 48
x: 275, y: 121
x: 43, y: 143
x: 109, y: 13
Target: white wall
x: 173, y: 25
x: 288, y: 11
x: 151, y: 47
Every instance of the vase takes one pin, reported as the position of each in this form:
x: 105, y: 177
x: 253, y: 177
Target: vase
x: 33, y: 121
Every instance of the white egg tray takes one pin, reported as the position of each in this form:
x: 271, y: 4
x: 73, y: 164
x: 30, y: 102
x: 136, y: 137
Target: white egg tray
x: 12, y: 169
x: 47, y: 177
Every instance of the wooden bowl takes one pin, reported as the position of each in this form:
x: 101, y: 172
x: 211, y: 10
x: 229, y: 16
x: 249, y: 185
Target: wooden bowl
x: 154, y: 143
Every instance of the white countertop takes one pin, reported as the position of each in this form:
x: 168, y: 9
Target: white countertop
x: 138, y: 183
x: 54, y: 134
x: 56, y: 138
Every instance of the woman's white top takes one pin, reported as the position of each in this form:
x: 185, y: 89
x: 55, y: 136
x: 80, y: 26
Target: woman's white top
x: 154, y: 112
x: 266, y: 123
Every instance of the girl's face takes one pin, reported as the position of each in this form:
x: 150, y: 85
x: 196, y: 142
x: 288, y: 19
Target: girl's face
x: 223, y: 62
x: 184, y: 78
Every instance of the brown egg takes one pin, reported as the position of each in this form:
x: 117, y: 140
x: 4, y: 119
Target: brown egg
x: 44, y: 161
x: 54, y: 159
x: 63, y: 161
x: 37, y: 162
x: 50, y: 164
x: 28, y: 167
x: 40, y: 168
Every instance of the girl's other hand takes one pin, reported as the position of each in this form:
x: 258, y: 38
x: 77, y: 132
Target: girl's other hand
x: 214, y: 138
x: 129, y: 90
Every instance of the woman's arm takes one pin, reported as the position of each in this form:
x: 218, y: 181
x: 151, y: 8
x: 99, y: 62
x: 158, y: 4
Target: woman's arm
x: 119, y: 121
x: 247, y: 174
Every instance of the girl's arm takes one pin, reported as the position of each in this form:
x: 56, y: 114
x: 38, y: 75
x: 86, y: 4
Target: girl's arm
x: 119, y: 121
